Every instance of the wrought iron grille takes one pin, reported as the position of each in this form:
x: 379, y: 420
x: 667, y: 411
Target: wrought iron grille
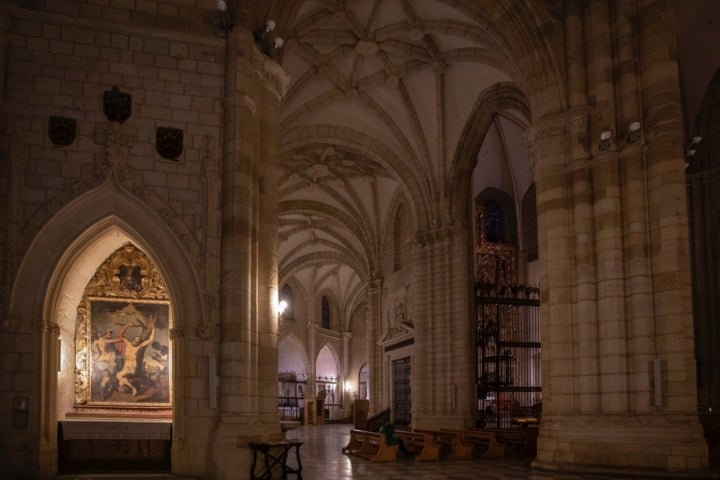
x: 508, y: 356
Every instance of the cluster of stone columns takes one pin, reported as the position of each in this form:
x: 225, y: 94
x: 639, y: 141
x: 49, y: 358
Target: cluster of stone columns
x: 248, y: 318
x: 618, y: 368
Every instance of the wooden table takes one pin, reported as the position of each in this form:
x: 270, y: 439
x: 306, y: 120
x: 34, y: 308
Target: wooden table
x: 275, y: 453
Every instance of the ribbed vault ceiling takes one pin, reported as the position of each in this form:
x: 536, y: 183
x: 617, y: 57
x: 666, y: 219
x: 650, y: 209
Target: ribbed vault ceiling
x: 380, y: 95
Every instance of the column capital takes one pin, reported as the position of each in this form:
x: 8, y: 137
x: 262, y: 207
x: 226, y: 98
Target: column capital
x: 264, y: 71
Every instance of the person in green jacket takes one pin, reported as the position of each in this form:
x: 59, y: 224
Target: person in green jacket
x: 389, y: 431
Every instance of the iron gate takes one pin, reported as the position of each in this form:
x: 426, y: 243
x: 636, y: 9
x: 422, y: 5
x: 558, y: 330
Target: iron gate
x: 508, y: 356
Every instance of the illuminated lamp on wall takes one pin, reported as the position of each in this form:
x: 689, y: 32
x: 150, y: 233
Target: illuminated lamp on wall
x: 633, y: 132
x: 269, y: 43
x: 605, y: 140
x: 226, y: 20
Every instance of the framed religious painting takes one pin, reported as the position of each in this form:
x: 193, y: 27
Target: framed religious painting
x: 129, y: 352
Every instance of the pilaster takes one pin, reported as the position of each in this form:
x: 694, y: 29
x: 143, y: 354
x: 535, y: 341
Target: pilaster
x: 618, y: 393
x: 374, y: 355
x: 443, y: 339
x: 248, y: 288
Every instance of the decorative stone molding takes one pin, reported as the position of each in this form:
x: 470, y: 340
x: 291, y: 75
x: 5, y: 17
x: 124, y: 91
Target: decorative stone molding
x: 207, y: 331
x: 11, y: 323
x: 117, y: 140
x: 244, y: 100
x: 177, y: 334
x: 264, y: 71
x: 51, y: 329
x: 433, y: 235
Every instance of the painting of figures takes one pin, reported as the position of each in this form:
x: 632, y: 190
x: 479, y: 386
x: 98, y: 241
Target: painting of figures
x: 129, y: 352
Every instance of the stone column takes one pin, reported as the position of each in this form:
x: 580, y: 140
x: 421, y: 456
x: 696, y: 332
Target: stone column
x: 585, y: 315
x: 443, y: 354
x: 274, y: 82
x: 248, y: 322
x: 312, y: 358
x: 48, y: 403
x: 630, y: 416
x: 374, y: 354
x: 8, y: 185
x: 638, y: 284
x: 347, y: 396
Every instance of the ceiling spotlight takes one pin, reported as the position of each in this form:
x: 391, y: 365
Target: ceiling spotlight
x: 633, y: 133
x: 605, y: 137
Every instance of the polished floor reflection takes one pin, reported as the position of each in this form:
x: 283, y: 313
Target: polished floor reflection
x: 323, y: 460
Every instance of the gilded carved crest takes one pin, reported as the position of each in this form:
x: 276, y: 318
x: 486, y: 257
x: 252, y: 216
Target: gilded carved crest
x: 128, y: 273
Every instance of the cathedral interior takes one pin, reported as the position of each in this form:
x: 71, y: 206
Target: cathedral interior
x: 221, y: 219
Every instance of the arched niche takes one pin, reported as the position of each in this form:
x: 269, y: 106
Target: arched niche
x: 49, y: 285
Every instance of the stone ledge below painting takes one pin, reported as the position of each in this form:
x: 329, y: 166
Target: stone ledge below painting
x: 115, y: 429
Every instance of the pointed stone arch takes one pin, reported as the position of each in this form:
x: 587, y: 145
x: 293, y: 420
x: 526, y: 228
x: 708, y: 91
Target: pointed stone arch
x: 59, y: 262
x: 291, y: 339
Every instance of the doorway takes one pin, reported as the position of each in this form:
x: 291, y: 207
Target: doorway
x: 402, y: 401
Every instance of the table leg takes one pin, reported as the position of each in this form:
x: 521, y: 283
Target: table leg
x: 299, y: 467
x: 268, y: 467
x: 252, y: 469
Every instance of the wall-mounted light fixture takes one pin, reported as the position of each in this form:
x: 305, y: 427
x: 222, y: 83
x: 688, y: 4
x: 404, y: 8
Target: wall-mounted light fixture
x: 633, y: 132
x: 266, y: 40
x: 225, y: 15
x: 282, y: 305
x: 605, y: 138
x: 691, y: 149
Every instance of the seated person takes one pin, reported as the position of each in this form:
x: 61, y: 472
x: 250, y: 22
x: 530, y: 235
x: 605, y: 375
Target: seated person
x: 389, y: 431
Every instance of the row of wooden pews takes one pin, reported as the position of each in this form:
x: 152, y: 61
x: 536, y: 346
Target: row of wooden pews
x: 428, y: 445
x: 371, y: 445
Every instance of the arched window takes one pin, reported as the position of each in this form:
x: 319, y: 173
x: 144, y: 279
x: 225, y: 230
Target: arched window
x: 493, y: 221
x: 287, y: 296
x: 325, y: 312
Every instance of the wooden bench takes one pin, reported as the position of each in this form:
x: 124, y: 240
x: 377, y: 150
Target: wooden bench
x: 371, y: 445
x: 451, y: 441
x: 422, y: 444
x: 522, y: 440
x: 492, y: 445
